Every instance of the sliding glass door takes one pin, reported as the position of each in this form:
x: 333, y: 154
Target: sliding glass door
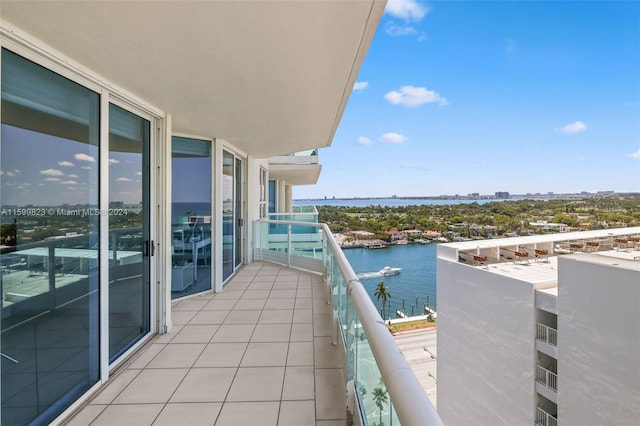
x: 49, y: 242
x: 232, y: 216
x: 130, y: 246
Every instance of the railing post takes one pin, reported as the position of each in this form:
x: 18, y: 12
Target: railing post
x: 334, y: 332
x: 51, y: 270
x: 289, y: 245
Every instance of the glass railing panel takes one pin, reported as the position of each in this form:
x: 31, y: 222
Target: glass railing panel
x: 306, y: 241
x: 295, y: 217
x: 375, y: 401
x: 304, y: 208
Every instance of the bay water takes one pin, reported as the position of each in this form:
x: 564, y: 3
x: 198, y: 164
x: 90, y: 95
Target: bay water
x: 414, y: 286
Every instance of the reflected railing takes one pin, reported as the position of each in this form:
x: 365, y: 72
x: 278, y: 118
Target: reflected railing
x: 386, y: 388
x: 42, y: 270
x: 49, y: 294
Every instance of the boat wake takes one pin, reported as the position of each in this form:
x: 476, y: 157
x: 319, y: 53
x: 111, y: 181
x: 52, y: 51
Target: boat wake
x: 369, y: 274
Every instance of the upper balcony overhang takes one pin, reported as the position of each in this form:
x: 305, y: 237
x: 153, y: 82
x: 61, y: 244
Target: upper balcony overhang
x: 296, y: 174
x: 295, y: 169
x: 268, y: 77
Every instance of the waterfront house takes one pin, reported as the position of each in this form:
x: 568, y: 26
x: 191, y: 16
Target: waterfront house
x: 395, y: 235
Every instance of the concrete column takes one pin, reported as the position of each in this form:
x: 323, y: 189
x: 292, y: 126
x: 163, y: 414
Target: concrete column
x: 280, y: 208
x: 288, y: 198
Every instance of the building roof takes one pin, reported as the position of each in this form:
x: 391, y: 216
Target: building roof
x: 546, y: 238
x: 613, y: 249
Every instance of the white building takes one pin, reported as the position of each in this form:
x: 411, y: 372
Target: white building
x: 540, y: 330
x: 546, y: 226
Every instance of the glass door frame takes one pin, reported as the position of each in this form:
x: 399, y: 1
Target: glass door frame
x: 220, y: 149
x: 155, y: 124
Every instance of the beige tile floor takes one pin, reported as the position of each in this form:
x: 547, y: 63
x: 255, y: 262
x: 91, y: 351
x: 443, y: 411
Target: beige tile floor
x: 258, y: 353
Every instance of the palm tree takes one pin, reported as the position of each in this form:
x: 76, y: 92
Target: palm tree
x: 379, y: 396
x: 382, y: 293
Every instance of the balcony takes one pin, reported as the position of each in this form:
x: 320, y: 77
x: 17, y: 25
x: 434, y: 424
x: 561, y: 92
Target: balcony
x: 547, y: 378
x: 547, y: 383
x: 277, y: 346
x: 299, y: 168
x: 547, y: 340
x: 545, y: 419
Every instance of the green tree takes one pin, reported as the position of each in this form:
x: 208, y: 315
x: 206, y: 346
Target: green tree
x: 382, y: 293
x: 380, y: 398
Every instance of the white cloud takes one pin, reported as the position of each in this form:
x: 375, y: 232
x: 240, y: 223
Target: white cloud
x: 73, y: 176
x: 84, y: 157
x: 360, y: 85
x: 1, y: 172
x: 408, y: 10
x: 393, y: 138
x: 65, y: 164
x: 52, y: 180
x: 363, y: 141
x: 18, y: 172
x: 123, y: 179
x: 86, y: 167
x: 635, y: 155
x: 395, y: 30
x: 69, y: 182
x: 574, y: 127
x: 412, y: 96
x: 138, y: 173
x: 113, y: 161
x: 10, y: 174
x: 51, y: 172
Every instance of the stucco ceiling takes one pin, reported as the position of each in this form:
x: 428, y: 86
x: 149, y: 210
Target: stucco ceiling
x: 270, y: 77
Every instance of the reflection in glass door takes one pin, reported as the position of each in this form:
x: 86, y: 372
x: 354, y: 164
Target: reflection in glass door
x: 190, y: 216
x: 130, y: 247
x: 49, y: 242
x: 232, y: 220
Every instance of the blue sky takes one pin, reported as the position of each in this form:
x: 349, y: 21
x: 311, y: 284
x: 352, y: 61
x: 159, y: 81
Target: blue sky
x: 459, y: 97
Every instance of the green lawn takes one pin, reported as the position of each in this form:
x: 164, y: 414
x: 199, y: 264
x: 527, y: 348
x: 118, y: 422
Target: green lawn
x: 412, y: 325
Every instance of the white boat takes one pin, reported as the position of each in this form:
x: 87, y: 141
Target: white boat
x: 387, y: 270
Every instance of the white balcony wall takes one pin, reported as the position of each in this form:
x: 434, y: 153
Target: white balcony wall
x: 599, y: 338
x: 484, y: 350
x: 547, y: 300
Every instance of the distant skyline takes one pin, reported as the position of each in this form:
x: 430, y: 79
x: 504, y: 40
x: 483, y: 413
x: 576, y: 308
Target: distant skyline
x: 460, y: 97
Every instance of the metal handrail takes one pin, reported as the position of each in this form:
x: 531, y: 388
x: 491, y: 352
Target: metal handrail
x: 547, y: 334
x: 547, y: 377
x: 413, y: 407
x: 545, y: 419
